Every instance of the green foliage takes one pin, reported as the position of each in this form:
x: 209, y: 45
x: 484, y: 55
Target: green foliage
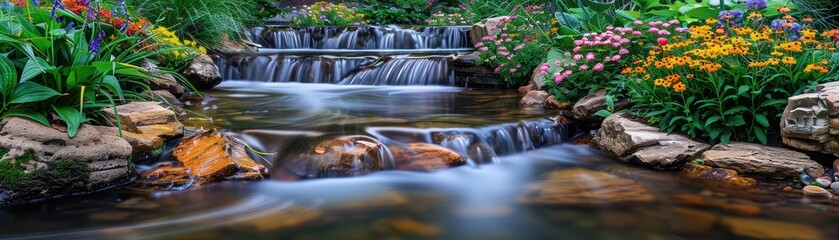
x: 519, y: 44
x: 11, y: 171
x: 326, y: 14
x: 73, y: 71
x: 391, y: 16
x: 484, y: 9
x: 208, y: 22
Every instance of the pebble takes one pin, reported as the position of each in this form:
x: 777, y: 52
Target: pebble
x: 835, y: 186
x: 806, y: 179
x: 690, y: 199
x: 816, y: 192
x: 788, y: 189
x: 824, y: 181
x: 748, y: 210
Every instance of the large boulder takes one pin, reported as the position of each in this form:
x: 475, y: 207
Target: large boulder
x: 212, y: 156
x: 202, y: 73
x: 162, y: 81
x: 486, y: 27
x: 43, y: 162
x: 632, y: 141
x: 811, y: 121
x: 587, y: 107
x: 768, y: 162
x: 583, y: 187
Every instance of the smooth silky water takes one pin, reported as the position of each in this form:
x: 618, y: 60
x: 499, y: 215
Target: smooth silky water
x: 516, y: 183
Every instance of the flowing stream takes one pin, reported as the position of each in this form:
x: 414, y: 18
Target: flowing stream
x: 523, y: 179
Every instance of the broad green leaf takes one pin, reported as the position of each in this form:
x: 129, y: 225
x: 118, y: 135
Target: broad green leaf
x: 702, y: 13
x: 735, y: 110
x: 742, y: 89
x: 761, y: 119
x: 603, y: 113
x: 629, y: 15
x: 735, y: 121
x: 760, y: 133
x: 111, y: 82
x: 34, y: 67
x: 665, y: 13
x: 30, y: 91
x: 8, y: 76
x: 712, y: 120
x: 568, y: 20
x: 72, y: 117
x: 27, y: 113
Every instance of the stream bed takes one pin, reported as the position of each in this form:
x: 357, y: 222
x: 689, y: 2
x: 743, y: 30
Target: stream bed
x: 527, y: 183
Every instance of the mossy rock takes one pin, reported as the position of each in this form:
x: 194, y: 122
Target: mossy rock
x: 58, y: 178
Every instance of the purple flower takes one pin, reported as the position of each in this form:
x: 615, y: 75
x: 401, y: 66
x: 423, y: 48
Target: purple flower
x: 94, y: 45
x: 734, y: 17
x: 56, y: 4
x: 755, y: 4
x: 777, y: 24
x: 35, y: 2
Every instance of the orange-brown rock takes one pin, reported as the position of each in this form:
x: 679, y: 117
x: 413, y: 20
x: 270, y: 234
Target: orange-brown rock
x: 754, y: 228
x: 342, y: 156
x: 146, y: 138
x: 425, y: 157
x: 695, y: 173
x: 212, y: 156
x: 553, y: 103
x: 583, y: 187
x: 165, y: 178
x: 689, y: 221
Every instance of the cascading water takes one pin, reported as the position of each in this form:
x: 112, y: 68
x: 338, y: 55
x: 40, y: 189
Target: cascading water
x: 360, y: 55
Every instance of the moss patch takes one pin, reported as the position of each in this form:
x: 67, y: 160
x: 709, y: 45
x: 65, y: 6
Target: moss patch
x: 12, y: 173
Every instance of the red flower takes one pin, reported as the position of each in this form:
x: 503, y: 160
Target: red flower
x: 662, y: 41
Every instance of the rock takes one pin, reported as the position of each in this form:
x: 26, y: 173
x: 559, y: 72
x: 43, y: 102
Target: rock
x: 632, y: 141
x: 165, y: 97
x: 342, y: 156
x: 692, y: 222
x: 534, y: 99
x: 816, y: 192
x: 50, y: 163
x: 135, y: 114
x: 806, y: 179
x: 769, y: 162
x: 788, y: 189
x: 586, y: 108
x: 149, y: 138
x: 753, y: 228
x: 552, y: 103
x: 202, y: 73
x: 583, y: 187
x: 471, y: 59
x: 162, y: 81
x: 212, y: 156
x: 165, y: 178
x: 425, y: 157
x: 690, y: 200
x: 746, y: 210
x: 528, y: 88
x: 718, y: 177
x: 811, y: 121
x: 835, y: 186
x: 824, y: 181
x: 483, y: 28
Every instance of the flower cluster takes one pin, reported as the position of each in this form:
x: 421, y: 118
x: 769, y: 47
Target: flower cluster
x: 451, y: 19
x: 324, y: 13
x: 173, y: 49
x: 121, y: 19
x: 730, y: 72
x: 519, y: 43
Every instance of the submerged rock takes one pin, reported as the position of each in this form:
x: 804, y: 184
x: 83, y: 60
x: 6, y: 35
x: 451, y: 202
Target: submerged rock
x: 43, y: 162
x: 212, y: 157
x: 718, y: 177
x: 816, y: 192
x: 753, y: 228
x: 425, y: 157
x: 165, y: 178
x: 202, y: 73
x: 342, y: 156
x: 769, y: 162
x: 692, y: 222
x: 583, y: 187
x: 635, y: 142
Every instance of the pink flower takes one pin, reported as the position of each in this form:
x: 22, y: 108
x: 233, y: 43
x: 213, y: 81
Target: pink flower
x: 479, y: 44
x: 674, y: 22
x: 589, y: 57
x: 639, y: 22
x: 557, y: 63
x: 655, y: 23
x: 583, y: 67
x: 598, y: 67
x: 518, y: 65
x: 665, y: 25
x: 636, y: 33
x: 568, y: 54
x: 577, y: 49
x: 577, y: 57
x: 508, y: 40
x: 512, y: 70
x: 616, y: 45
x: 544, y: 67
x: 498, y: 42
x: 519, y: 47
x: 484, y: 49
x: 623, y: 51
x: 607, y: 59
x: 558, y: 77
x: 653, y: 30
x: 616, y: 58
x: 663, y: 33
x: 567, y: 73
x: 578, y: 42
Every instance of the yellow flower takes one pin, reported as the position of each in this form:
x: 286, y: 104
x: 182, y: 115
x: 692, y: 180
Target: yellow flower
x: 711, y: 21
x: 789, y: 61
x: 679, y: 87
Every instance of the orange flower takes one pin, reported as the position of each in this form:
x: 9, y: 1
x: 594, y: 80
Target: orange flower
x: 679, y: 87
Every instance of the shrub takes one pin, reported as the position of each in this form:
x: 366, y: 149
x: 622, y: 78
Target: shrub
x: 520, y: 43
x: 208, y: 22
x: 459, y: 16
x: 326, y: 14
x: 729, y: 79
x: 181, y: 52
